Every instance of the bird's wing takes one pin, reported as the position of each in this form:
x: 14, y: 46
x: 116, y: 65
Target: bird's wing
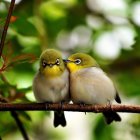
x: 117, y: 98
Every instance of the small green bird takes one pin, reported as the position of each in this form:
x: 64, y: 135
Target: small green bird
x: 90, y: 85
x: 51, y: 83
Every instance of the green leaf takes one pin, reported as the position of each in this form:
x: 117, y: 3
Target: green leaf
x: 52, y: 10
x: 102, y: 131
x: 129, y: 82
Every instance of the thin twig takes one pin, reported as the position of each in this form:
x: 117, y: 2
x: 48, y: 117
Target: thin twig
x: 16, y: 117
x: 20, y: 125
x: 4, y: 33
x: 69, y: 107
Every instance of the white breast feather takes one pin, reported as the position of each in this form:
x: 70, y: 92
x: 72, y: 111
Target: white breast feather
x: 91, y: 86
x: 51, y: 90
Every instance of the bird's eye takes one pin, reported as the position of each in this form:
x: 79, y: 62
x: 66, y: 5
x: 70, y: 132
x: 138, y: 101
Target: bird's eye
x: 77, y: 61
x: 57, y: 61
x: 44, y: 63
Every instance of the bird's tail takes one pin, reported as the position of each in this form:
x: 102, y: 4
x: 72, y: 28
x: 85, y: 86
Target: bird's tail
x: 59, y: 118
x: 111, y: 116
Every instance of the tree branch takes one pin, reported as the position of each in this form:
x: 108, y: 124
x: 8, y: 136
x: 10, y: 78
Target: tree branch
x: 4, y: 33
x: 69, y: 107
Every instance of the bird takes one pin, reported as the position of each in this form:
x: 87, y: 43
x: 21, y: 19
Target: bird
x: 89, y: 84
x: 51, y: 82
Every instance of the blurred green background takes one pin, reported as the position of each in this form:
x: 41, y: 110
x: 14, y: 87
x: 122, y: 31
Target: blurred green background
x: 107, y: 30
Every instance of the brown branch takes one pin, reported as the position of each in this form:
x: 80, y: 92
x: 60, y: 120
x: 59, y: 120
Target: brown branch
x: 4, y: 33
x: 69, y: 107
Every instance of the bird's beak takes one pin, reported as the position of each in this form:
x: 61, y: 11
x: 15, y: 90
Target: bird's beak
x: 66, y: 60
x: 50, y: 65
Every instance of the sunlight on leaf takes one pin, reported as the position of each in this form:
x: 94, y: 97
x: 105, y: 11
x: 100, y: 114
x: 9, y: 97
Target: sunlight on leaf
x: 52, y: 10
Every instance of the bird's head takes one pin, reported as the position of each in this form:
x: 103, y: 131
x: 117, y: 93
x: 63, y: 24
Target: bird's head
x: 79, y: 61
x: 51, y: 63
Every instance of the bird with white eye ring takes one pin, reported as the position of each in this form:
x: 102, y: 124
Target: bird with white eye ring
x: 90, y: 85
x: 51, y: 83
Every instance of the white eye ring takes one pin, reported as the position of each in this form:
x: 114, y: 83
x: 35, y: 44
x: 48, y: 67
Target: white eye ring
x: 77, y: 61
x: 57, y: 61
x: 44, y: 63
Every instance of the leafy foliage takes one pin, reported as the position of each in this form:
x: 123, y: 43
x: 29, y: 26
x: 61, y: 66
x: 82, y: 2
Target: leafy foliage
x: 71, y: 26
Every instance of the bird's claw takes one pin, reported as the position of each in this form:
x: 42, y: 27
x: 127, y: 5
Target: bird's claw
x: 61, y: 104
x: 47, y: 105
x: 82, y: 105
x: 109, y: 105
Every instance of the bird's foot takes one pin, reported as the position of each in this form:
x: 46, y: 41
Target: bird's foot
x: 61, y: 104
x: 47, y: 104
x: 109, y: 105
x: 82, y: 105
